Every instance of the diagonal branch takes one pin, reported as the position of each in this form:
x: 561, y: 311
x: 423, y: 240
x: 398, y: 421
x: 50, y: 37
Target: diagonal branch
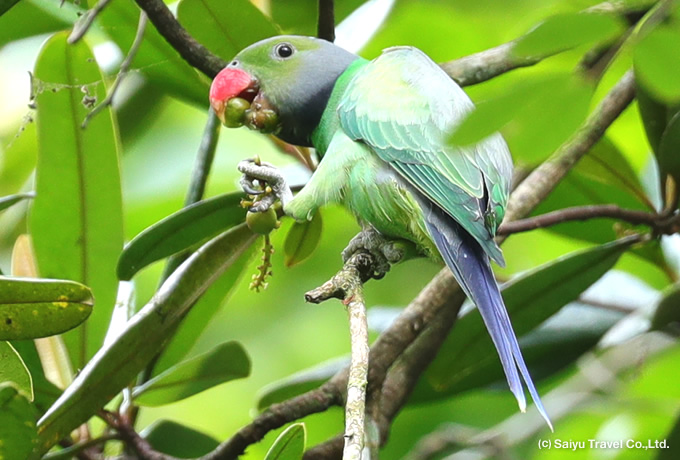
x: 193, y: 52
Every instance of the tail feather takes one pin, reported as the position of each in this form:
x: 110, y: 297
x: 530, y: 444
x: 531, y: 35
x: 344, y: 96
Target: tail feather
x: 470, y: 265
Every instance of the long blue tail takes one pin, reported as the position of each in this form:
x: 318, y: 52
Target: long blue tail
x: 470, y: 265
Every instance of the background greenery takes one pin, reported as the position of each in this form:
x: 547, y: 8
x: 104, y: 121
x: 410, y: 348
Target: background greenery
x: 154, y: 131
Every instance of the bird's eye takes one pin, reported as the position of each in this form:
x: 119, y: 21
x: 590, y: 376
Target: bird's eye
x: 284, y: 50
x: 233, y: 63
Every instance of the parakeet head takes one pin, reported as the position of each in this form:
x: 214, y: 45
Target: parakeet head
x: 286, y: 82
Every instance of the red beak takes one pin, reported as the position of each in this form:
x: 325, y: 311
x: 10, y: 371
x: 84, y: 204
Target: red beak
x: 230, y: 83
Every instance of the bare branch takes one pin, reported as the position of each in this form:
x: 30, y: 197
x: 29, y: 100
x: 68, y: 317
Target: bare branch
x: 347, y: 285
x: 582, y: 213
x: 193, y: 52
x: 326, y: 23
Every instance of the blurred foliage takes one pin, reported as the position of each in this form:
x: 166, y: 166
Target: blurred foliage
x: 81, y: 193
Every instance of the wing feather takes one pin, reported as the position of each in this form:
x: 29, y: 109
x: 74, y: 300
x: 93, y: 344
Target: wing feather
x: 403, y: 106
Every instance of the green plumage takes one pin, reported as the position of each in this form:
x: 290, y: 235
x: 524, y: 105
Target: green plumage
x: 382, y: 140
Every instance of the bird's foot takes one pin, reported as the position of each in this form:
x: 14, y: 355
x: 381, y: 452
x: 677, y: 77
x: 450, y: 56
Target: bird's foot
x: 262, y: 178
x: 384, y: 252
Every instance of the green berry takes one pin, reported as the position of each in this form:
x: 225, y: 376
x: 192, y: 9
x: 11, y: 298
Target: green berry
x: 235, y: 112
x: 262, y: 223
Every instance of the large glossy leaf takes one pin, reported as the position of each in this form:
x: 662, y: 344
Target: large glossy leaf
x: 200, y: 315
x: 7, y: 201
x: 657, y: 62
x: 156, y: 59
x: 299, y: 383
x: 45, y: 16
x: 535, y: 116
x: 301, y: 240
x: 668, y: 154
x: 569, y: 30
x: 31, y: 308
x: 177, y: 440
x: 180, y: 231
x: 655, y: 115
x: 18, y: 434
x: 76, y: 221
x: 225, y: 362
x: 13, y: 369
x: 225, y: 27
x: 45, y: 392
x: 530, y: 299
x: 290, y: 445
x: 667, y: 312
x: 117, y: 363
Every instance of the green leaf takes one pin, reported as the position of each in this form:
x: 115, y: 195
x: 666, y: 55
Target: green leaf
x: 301, y: 241
x: 119, y: 361
x: 225, y: 28
x: 45, y: 16
x: 18, y: 433
x: 13, y: 369
x: 657, y: 62
x: 155, y: 59
x: 31, y: 308
x: 180, y: 231
x: 569, y: 30
x: 191, y: 327
x: 299, y: 383
x: 531, y: 298
x: 45, y: 392
x: 177, y: 440
x: 7, y: 201
x: 671, y: 439
x: 225, y: 362
x: 655, y: 115
x: 669, y: 150
x: 6, y: 5
x: 290, y: 445
x: 76, y: 221
x: 604, y: 176
x: 535, y: 116
x: 667, y: 312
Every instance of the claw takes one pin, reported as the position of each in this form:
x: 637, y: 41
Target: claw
x: 247, y: 186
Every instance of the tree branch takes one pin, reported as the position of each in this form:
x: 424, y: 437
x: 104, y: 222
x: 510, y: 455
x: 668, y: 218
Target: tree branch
x: 347, y: 285
x: 326, y: 24
x: 658, y: 222
x: 193, y: 52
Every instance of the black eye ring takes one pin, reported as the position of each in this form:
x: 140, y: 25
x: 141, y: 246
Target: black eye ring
x: 284, y: 50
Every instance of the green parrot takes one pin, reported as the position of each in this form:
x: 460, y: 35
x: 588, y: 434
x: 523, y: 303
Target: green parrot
x: 380, y: 129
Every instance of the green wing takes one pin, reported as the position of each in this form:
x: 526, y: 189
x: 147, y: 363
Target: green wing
x: 403, y: 106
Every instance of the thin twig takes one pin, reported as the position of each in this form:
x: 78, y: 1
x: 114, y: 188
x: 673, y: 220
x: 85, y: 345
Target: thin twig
x: 122, y: 72
x: 83, y: 25
x: 581, y: 213
x: 326, y: 24
x: 347, y: 285
x: 75, y: 449
x: 199, y: 178
x: 191, y: 51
